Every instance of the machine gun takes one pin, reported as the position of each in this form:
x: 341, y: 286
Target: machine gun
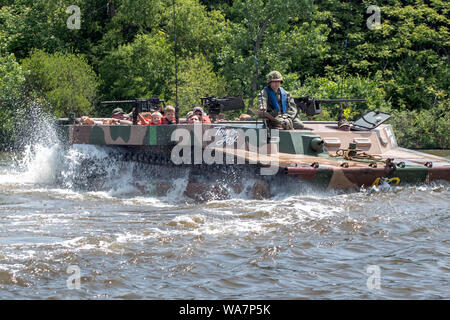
x: 140, y: 105
x: 368, y: 121
x: 214, y: 105
x: 311, y: 106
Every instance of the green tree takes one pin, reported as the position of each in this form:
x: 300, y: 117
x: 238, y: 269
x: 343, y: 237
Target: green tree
x: 34, y: 24
x: 196, y: 79
x: 255, y: 41
x: 198, y: 30
x: 426, y: 128
x: 127, y: 19
x: 65, y: 81
x: 140, y: 69
x: 410, y: 48
x: 42, y: 24
x: 12, y: 79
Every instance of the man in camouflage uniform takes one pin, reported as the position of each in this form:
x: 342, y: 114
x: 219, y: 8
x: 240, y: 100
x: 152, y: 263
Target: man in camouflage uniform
x: 279, y: 103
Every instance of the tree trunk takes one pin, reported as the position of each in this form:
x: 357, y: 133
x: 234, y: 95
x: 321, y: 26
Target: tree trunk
x: 110, y: 8
x: 256, y: 50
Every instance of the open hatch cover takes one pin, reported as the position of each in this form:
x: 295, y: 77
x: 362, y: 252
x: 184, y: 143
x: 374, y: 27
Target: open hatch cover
x: 372, y: 119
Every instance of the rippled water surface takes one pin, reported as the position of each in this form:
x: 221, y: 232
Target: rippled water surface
x: 129, y: 243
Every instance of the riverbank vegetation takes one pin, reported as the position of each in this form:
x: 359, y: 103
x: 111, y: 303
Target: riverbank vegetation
x: 124, y: 49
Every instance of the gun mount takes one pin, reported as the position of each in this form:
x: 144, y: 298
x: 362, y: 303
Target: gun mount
x: 311, y: 106
x: 140, y: 105
x: 214, y: 105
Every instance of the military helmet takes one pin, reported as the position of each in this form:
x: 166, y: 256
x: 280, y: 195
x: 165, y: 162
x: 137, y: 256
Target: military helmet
x: 274, y: 76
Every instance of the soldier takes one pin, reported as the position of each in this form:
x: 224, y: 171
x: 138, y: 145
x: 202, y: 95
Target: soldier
x: 279, y: 103
x: 119, y: 116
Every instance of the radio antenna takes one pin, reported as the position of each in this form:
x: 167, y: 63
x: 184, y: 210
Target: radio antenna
x: 176, y: 64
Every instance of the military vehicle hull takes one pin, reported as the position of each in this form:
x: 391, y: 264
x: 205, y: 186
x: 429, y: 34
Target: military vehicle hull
x: 233, y: 152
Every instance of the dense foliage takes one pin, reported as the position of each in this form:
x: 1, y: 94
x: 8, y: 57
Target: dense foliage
x: 11, y: 81
x: 65, y: 81
x: 124, y: 49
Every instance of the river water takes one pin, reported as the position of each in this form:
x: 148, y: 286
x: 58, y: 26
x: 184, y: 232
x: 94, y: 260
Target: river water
x: 61, y: 238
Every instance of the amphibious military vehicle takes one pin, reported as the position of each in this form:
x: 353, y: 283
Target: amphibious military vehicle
x: 325, y: 153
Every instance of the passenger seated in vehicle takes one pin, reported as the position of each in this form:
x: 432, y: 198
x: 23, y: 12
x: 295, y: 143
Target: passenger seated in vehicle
x: 191, y: 118
x: 245, y: 117
x: 169, y: 116
x: 85, y: 120
x: 194, y: 119
x: 156, y: 118
x: 145, y: 118
x: 119, y: 117
x: 202, y: 116
x: 188, y: 115
x: 221, y: 117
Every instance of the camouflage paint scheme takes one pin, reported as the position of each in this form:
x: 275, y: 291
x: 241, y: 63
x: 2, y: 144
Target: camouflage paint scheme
x: 295, y: 153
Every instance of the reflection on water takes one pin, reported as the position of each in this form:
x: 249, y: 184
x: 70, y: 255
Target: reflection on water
x: 129, y: 243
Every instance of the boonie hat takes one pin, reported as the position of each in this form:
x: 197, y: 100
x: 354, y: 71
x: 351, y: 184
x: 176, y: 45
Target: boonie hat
x: 197, y: 109
x: 117, y: 111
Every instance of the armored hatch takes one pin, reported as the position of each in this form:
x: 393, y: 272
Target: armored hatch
x: 372, y: 119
